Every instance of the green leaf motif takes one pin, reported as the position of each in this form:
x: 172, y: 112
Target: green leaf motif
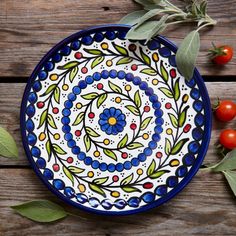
x: 151, y: 168
x: 137, y: 99
x: 89, y: 96
x: 43, y: 118
x: 51, y: 121
x: 114, y: 87
x: 183, y: 115
x: 78, y: 119
x: 100, y: 181
x: 43, y: 211
x: 176, y: 90
x: 145, y: 123
x: 102, y: 98
x: 132, y: 18
x: 130, y: 189
x: 127, y: 180
x: 93, y: 51
x: 97, y: 61
x: 124, y: 60
x: 75, y: 170
x: 97, y: 189
x: 158, y: 174
x: 110, y: 154
x: 164, y: 72
x: 68, y: 174
x: 87, y: 142
x: 134, y: 145
x: 8, y: 146
x: 132, y: 109
x: 148, y: 71
x: 49, y: 90
x: 120, y: 49
x: 173, y: 120
x: 73, y: 73
x: 123, y: 142
x: 167, y: 146
x: 231, y: 178
x: 58, y: 149
x: 167, y: 92
x: 68, y: 65
x: 48, y: 148
x: 57, y: 94
x: 177, y: 148
x: 145, y: 57
x: 91, y: 132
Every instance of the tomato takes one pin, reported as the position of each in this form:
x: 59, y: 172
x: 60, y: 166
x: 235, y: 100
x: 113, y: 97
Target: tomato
x: 228, y: 138
x: 226, y: 110
x: 222, y: 54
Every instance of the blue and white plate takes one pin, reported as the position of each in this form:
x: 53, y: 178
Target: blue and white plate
x: 110, y: 125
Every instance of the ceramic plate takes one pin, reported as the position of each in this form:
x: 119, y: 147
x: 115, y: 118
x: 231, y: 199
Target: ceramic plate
x: 110, y: 125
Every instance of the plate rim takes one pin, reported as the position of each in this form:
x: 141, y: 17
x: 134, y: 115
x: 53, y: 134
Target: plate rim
x: 179, y: 187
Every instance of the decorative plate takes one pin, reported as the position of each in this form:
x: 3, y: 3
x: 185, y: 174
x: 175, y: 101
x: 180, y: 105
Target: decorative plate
x: 110, y: 125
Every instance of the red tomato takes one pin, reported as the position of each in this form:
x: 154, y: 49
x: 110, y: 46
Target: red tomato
x: 228, y: 138
x: 222, y: 54
x: 226, y: 110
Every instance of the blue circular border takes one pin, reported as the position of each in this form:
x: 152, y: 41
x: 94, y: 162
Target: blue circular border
x: 179, y: 186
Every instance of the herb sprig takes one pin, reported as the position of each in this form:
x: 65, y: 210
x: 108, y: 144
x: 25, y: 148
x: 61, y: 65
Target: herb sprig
x: 144, y: 27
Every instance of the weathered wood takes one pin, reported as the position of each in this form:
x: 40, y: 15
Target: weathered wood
x: 28, y: 29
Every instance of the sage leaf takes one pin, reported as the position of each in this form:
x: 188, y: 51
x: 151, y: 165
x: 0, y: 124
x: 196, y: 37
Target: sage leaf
x: 147, y: 16
x: 231, y: 178
x: 133, y: 17
x: 187, y: 54
x: 41, y: 211
x: 8, y: 146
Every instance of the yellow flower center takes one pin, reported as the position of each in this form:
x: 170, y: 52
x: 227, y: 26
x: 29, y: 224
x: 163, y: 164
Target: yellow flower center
x: 112, y: 121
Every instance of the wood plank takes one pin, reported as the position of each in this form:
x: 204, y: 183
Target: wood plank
x: 205, y: 207
x: 28, y: 29
x: 10, y: 100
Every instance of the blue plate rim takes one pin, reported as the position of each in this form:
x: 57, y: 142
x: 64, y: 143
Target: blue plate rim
x: 183, y: 182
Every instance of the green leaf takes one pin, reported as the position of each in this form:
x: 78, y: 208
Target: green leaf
x: 127, y: 180
x: 158, y: 174
x: 145, y: 57
x: 56, y: 95
x: 145, y: 123
x: 68, y: 65
x: 100, y: 181
x: 231, y: 178
x: 167, y: 92
x: 48, y: 148
x: 137, y: 99
x: 87, y: 142
x: 173, y: 120
x: 124, y: 60
x: 147, y: 16
x: 97, y: 189
x: 151, y: 168
x: 93, y: 51
x: 102, y: 98
x: 149, y: 2
x: 58, y: 149
x: 187, y: 54
x: 97, y: 61
x: 75, y: 170
x: 114, y: 87
x: 51, y: 121
x: 120, y: 49
x: 49, y: 90
x: 177, y: 148
x: 8, y: 146
x: 130, y: 189
x: 203, y: 7
x: 123, y: 142
x: 40, y: 211
x: 176, y: 90
x: 183, y: 115
x: 73, y: 73
x: 133, y: 17
x: 43, y: 118
x: 132, y: 109
x: 148, y: 71
x: 78, y: 119
x: 68, y: 174
x: 134, y: 145
x: 91, y: 132
x: 110, y: 154
x: 164, y: 72
x: 167, y: 146
x: 89, y: 96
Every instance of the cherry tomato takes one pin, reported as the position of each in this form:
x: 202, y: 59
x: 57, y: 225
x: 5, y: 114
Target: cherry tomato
x: 226, y: 110
x: 228, y: 138
x: 222, y: 54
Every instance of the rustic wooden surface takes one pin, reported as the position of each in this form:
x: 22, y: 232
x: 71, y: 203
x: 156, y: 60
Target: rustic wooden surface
x: 28, y: 29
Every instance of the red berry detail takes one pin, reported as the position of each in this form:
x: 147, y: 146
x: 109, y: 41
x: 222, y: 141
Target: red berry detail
x: 173, y: 73
x: 133, y: 126
x: 100, y: 86
x: 146, y: 108
x: 168, y: 105
x: 40, y: 104
x: 91, y: 115
x: 77, y: 133
x: 69, y: 160
x: 55, y: 110
x: 124, y: 155
x: 187, y: 128
x: 134, y: 67
x: 147, y: 185
x: 56, y: 167
x: 84, y: 70
x: 158, y: 154
x: 115, y: 178
x: 132, y: 47
x: 78, y: 55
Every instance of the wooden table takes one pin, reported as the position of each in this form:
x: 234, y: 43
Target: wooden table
x: 28, y: 29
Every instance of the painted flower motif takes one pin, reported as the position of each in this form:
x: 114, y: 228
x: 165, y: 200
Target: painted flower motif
x: 112, y: 121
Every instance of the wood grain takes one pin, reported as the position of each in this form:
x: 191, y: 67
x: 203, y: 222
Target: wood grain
x: 28, y: 29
